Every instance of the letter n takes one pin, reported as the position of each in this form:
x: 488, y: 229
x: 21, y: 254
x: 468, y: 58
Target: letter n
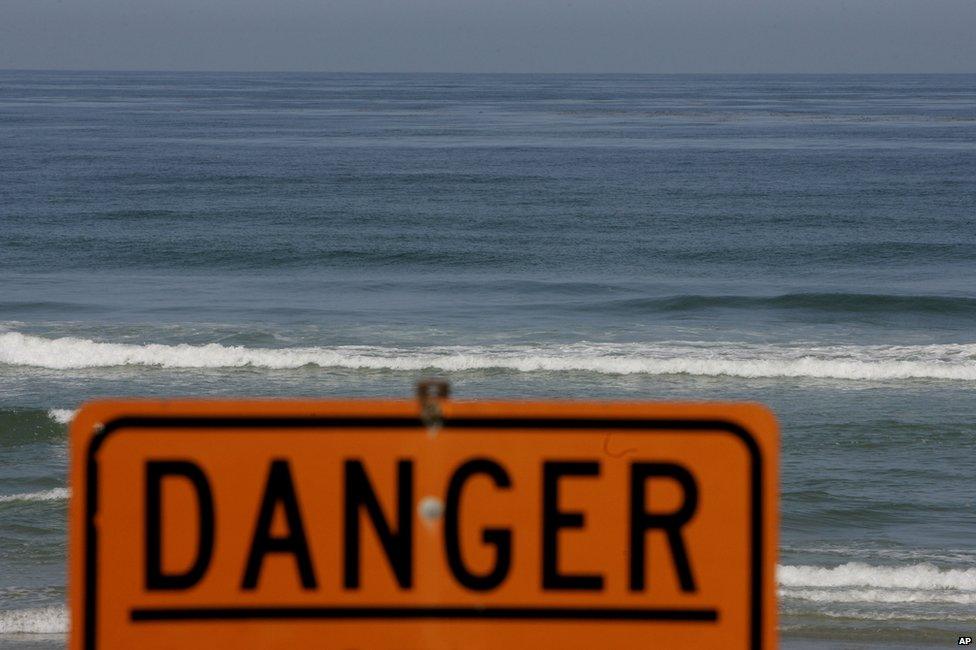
x: 397, y: 545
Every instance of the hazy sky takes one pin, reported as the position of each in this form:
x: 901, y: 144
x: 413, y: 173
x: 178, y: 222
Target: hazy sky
x: 492, y: 35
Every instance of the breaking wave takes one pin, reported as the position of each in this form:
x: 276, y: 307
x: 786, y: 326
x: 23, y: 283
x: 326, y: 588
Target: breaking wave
x: 40, y: 620
x: 55, y: 494
x: 851, y: 362
x: 61, y: 416
x: 856, y: 582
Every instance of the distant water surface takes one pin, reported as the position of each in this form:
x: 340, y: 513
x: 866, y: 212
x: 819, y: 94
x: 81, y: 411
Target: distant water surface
x: 804, y: 241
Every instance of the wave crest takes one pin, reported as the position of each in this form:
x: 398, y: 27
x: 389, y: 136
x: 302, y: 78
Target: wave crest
x: 856, y: 582
x: 850, y: 362
x: 859, y: 574
x: 61, y: 416
x: 54, y: 494
x: 40, y: 620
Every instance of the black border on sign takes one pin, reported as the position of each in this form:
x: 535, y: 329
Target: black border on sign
x: 447, y: 612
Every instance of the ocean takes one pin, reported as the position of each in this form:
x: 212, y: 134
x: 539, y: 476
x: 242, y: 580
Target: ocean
x: 808, y: 242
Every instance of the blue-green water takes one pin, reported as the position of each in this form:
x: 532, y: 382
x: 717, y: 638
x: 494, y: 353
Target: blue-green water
x: 805, y: 241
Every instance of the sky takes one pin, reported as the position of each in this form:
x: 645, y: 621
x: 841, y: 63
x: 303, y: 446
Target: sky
x: 667, y: 36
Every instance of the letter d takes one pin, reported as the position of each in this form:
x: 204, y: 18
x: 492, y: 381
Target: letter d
x: 156, y: 471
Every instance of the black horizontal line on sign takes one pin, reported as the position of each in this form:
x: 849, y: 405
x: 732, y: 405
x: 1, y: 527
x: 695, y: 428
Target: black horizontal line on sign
x: 150, y: 614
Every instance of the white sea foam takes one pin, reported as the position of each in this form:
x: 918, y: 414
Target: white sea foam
x: 864, y: 362
x: 61, y: 416
x: 55, y: 494
x: 900, y: 615
x: 41, y: 620
x: 891, y: 596
x: 856, y: 582
x: 858, y: 574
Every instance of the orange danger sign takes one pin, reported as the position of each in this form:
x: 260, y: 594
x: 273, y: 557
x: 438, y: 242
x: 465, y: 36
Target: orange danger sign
x: 379, y: 524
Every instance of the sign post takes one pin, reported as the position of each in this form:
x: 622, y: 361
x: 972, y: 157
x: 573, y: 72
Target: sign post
x: 444, y: 524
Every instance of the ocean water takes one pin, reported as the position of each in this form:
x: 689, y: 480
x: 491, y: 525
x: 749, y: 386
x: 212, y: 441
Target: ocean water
x: 804, y: 241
